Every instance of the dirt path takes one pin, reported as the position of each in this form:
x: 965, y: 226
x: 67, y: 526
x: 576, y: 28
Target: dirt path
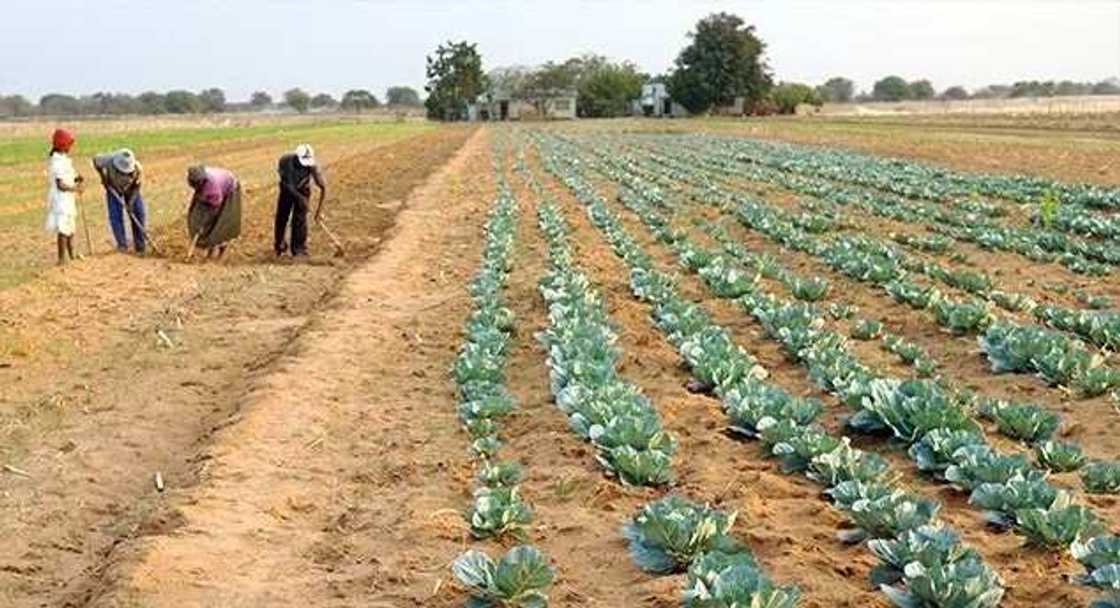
x: 93, y: 402
x: 344, y: 476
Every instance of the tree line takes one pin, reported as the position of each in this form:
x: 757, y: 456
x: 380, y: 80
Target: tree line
x: 897, y: 88
x: 208, y: 101
x: 723, y: 63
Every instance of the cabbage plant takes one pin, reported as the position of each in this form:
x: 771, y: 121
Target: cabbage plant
x: 519, y: 579
x: 979, y: 464
x: 1101, y: 477
x: 1060, y: 456
x: 965, y: 583
x: 933, y: 453
x: 1057, y: 527
x: 1023, y: 421
x: 668, y: 534
x: 928, y: 545
x: 497, y: 511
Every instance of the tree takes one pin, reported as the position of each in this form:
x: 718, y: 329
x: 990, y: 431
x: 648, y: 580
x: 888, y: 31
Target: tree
x: 182, y: 102
x: 837, y: 90
x: 212, y: 101
x: 455, y: 79
x: 15, y: 105
x: 891, y: 88
x: 59, y: 104
x: 323, y: 100
x: 788, y: 95
x: 358, y: 100
x: 724, y: 60
x: 992, y: 91
x: 260, y: 100
x: 607, y: 90
x: 955, y: 93
x: 402, y: 96
x: 922, y: 89
x: 297, y: 99
x: 1107, y: 87
x: 151, y: 102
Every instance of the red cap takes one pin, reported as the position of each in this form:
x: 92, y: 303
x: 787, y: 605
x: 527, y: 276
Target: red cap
x: 62, y: 139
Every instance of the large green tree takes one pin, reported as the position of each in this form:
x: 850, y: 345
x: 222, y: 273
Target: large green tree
x: 607, y: 90
x: 297, y: 99
x: 402, y: 96
x: 891, y: 88
x: 724, y: 60
x: 455, y: 79
x: 837, y: 90
x: 358, y: 100
x: 922, y: 89
x: 788, y: 95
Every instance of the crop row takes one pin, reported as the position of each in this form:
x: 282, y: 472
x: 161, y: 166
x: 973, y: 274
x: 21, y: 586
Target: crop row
x: 922, y: 561
x: 1059, y: 207
x: 1030, y: 423
x: 519, y: 577
x: 1058, y: 359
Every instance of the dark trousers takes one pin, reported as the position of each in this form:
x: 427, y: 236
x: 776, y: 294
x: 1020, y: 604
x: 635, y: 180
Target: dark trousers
x: 117, y: 219
x: 291, y: 206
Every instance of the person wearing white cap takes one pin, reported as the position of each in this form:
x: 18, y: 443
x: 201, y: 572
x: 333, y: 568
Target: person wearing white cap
x: 121, y: 176
x: 297, y: 170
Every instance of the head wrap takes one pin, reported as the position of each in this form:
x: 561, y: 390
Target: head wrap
x: 62, y: 139
x: 196, y: 175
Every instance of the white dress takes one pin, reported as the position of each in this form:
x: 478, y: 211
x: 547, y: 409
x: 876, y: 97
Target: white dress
x: 62, y: 208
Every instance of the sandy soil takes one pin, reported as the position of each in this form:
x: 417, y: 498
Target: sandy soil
x: 302, y: 418
x: 116, y: 368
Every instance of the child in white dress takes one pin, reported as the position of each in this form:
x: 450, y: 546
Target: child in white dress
x: 62, y: 208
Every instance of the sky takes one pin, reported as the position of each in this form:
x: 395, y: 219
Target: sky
x: 130, y: 46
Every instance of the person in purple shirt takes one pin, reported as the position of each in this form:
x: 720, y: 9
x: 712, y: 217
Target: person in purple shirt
x: 214, y: 217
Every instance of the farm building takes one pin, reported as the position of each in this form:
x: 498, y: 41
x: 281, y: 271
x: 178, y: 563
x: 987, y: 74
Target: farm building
x: 559, y: 105
x: 655, y: 102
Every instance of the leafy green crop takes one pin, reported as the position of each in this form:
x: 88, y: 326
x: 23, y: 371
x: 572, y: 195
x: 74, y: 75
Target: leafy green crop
x: 1060, y: 456
x: 1023, y: 421
x: 1057, y: 527
x: 518, y: 580
x: 934, y: 451
x: 668, y: 534
x: 497, y: 511
x: 1101, y: 477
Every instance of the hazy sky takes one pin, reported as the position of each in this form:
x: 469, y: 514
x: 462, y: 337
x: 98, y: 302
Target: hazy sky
x: 334, y: 45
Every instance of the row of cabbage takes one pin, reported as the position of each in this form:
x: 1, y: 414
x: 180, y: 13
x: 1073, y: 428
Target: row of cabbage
x: 602, y: 407
x: 1030, y: 423
x: 521, y: 576
x: 922, y: 561
x: 969, y: 221
x: 1100, y: 328
x: 1012, y: 493
x: 1075, y: 202
x: 1057, y: 358
x: 672, y: 534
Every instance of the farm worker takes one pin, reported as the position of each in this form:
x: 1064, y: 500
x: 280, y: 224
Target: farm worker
x: 214, y: 217
x: 120, y: 175
x: 62, y: 206
x: 297, y: 170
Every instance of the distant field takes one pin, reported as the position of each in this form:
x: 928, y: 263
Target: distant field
x: 1024, y: 106
x: 1040, y: 145
x: 166, y: 148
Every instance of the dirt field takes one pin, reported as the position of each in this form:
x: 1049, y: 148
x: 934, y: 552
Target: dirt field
x: 303, y: 421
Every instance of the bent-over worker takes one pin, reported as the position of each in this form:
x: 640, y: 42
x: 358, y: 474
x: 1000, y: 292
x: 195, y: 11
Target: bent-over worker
x: 120, y: 175
x: 297, y: 170
x: 214, y: 217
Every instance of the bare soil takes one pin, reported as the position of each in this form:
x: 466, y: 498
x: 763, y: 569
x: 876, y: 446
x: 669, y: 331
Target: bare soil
x: 118, y: 368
